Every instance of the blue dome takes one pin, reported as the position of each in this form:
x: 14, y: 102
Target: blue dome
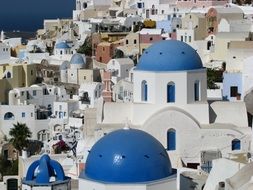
x: 40, y: 172
x: 127, y: 156
x: 64, y: 65
x: 62, y: 45
x: 77, y: 58
x: 169, y: 55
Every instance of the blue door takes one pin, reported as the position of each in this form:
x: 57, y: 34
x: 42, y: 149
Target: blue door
x: 170, y: 93
x: 171, y: 139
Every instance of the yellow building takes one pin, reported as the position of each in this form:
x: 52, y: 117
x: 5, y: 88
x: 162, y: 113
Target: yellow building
x: 15, y: 75
x: 88, y: 75
x: 196, y: 22
x: 131, y: 44
x: 222, y: 40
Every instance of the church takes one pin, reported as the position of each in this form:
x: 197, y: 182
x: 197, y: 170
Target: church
x: 170, y: 103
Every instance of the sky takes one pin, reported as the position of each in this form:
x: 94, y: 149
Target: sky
x: 28, y: 15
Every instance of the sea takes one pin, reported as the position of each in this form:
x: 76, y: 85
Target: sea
x: 28, y: 15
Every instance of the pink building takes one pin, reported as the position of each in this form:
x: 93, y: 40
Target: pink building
x: 148, y: 36
x: 104, y: 52
x: 199, y: 3
x: 107, y: 93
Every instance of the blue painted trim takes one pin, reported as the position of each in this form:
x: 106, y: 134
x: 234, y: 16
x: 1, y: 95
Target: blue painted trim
x: 236, y: 144
x: 31, y: 169
x: 170, y: 93
x: 171, y: 139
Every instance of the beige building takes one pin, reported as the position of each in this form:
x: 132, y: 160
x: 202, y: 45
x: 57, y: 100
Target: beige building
x: 88, y: 75
x: 238, y: 52
x: 131, y: 44
x: 222, y: 41
x: 12, y: 76
x: 197, y: 23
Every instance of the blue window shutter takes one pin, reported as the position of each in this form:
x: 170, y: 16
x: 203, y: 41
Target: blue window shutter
x: 171, y: 140
x: 145, y: 92
x: 236, y: 144
x: 196, y: 91
x: 170, y: 93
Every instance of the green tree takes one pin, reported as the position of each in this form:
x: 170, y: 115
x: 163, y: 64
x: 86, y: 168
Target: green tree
x: 118, y: 54
x: 19, y: 136
x: 8, y: 167
x: 86, y: 48
x: 211, y: 79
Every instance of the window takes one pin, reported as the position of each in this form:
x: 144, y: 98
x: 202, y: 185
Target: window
x: 182, y: 38
x: 85, y: 5
x: 209, y: 44
x: 32, y: 72
x: 9, y: 116
x: 171, y: 92
x: 135, y: 41
x: 196, y: 91
x: 236, y: 144
x: 233, y: 91
x: 84, y: 77
x: 61, y: 52
x: 126, y: 41
x: 60, y: 114
x: 190, y: 39
x: 151, y: 39
x: 34, y: 92
x: 8, y: 75
x: 171, y: 139
x: 27, y: 95
x: 185, y: 38
x: 139, y: 5
x: 45, y: 92
x: 23, y: 114
x: 144, y: 91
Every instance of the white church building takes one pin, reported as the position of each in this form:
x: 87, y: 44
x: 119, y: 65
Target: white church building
x: 170, y: 103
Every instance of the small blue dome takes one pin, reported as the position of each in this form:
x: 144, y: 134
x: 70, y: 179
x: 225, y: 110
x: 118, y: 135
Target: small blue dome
x: 77, y: 58
x: 127, y: 156
x: 62, y: 45
x: 64, y: 65
x: 40, y: 172
x: 169, y: 55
